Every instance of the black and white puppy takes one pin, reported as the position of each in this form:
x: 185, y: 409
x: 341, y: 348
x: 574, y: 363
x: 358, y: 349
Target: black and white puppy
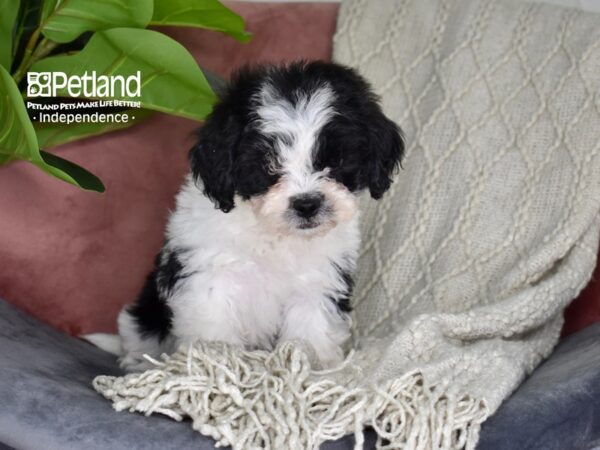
x: 283, y: 157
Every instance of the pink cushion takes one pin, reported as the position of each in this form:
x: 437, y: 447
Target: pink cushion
x: 585, y: 309
x: 281, y: 32
x: 74, y: 258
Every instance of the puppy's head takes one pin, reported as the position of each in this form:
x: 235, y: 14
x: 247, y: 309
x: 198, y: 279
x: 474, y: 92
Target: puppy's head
x: 297, y: 143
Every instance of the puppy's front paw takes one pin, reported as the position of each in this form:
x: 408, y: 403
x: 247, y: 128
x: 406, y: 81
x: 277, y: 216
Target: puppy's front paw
x: 135, y: 363
x: 328, y: 358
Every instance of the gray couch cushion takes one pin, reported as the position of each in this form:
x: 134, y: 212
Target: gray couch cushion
x: 558, y: 406
x: 46, y: 399
x: 48, y: 402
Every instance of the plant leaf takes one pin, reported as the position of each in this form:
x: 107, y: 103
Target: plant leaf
x: 48, y: 8
x: 209, y: 14
x: 69, y: 18
x: 82, y: 177
x: 29, y: 17
x: 52, y: 134
x: 8, y: 16
x: 171, y: 81
x: 18, y: 140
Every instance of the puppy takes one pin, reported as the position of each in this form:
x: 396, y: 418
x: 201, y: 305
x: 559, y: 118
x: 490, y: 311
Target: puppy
x: 263, y: 241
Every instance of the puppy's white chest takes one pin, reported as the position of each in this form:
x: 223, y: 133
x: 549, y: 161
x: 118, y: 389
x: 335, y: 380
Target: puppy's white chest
x: 244, y: 298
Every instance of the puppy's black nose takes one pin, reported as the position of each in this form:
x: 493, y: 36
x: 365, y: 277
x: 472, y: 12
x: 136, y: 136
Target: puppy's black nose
x: 307, y: 205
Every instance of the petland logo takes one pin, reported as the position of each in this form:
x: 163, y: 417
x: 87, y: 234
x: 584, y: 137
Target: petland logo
x: 51, y: 84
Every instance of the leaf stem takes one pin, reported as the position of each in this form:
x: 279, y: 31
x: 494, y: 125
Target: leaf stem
x: 42, y: 50
x: 25, y: 62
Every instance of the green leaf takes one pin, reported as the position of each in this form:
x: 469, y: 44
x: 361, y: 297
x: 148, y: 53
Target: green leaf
x: 209, y: 14
x: 82, y: 177
x: 70, y: 18
x: 52, y: 134
x: 18, y: 140
x: 29, y: 17
x: 171, y: 81
x: 48, y: 8
x: 8, y: 16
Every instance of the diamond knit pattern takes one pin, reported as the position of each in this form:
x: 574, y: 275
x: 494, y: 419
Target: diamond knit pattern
x: 492, y: 225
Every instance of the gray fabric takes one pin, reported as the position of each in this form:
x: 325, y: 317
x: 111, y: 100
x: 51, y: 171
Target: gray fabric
x: 46, y: 399
x: 558, y: 407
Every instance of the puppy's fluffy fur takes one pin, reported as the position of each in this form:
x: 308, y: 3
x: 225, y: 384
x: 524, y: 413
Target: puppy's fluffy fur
x: 282, y: 157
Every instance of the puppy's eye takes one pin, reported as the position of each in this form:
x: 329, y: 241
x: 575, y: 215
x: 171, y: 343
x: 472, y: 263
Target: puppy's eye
x: 334, y: 161
x: 328, y: 157
x: 337, y: 164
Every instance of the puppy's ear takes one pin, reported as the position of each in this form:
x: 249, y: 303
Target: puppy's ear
x: 211, y: 159
x: 386, y: 147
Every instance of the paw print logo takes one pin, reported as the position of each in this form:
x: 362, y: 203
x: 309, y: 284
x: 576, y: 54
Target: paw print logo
x: 39, y: 84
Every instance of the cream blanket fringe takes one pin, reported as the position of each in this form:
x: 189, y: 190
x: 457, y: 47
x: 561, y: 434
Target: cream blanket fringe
x: 256, y: 400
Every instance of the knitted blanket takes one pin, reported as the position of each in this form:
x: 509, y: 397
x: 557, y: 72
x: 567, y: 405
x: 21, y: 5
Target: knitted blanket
x: 467, y: 263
